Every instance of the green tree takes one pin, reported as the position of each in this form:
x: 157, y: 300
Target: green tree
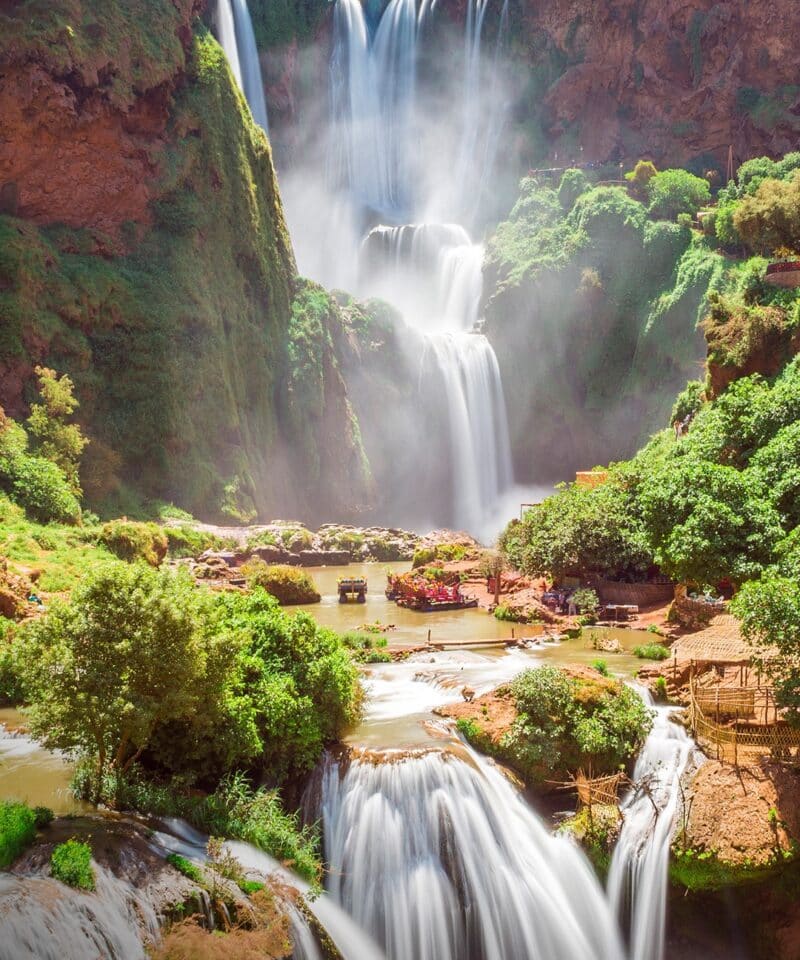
x: 769, y: 220
x: 57, y: 440
x: 579, y: 530
x: 126, y: 653
x: 676, y: 191
x: 707, y: 521
x: 640, y: 177
x: 769, y: 610
x: 573, y: 184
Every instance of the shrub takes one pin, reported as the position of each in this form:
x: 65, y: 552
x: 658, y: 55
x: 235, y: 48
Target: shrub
x: 132, y: 541
x: 573, y: 184
x: 190, y: 870
x: 676, y: 191
x: 651, y: 651
x: 17, y: 830
x: 586, y: 600
x: 661, y: 688
x: 564, y: 723
x: 71, y: 863
x: 41, y: 488
x: 685, y: 221
x: 640, y: 177
x: 289, y: 585
x: 601, y: 667
x: 363, y: 646
x: 43, y: 816
x: 688, y: 402
x: 186, y: 541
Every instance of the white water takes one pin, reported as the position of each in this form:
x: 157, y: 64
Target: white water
x: 638, y: 877
x: 405, y: 167
x: 441, y: 860
x: 235, y: 34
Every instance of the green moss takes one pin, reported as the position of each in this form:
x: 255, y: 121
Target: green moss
x: 190, y: 870
x: 277, y: 22
x: 697, y: 870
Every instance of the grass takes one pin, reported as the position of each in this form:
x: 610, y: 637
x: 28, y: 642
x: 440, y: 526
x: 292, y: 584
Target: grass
x: 235, y: 810
x: 651, y: 651
x: 365, y: 647
x: 63, y: 555
x: 702, y: 870
x: 17, y: 830
x: 71, y: 863
x: 190, y: 870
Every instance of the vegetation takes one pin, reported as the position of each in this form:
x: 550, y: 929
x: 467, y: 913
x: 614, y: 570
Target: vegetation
x: 71, y: 863
x: 289, y: 585
x: 37, y: 484
x: 141, y: 667
x: 57, y: 440
x: 190, y: 870
x: 366, y: 647
x: 565, y: 723
x: 651, y: 651
x: 17, y: 830
x: 673, y: 192
x: 133, y: 541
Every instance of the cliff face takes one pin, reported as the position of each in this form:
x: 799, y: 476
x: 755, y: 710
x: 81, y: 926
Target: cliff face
x: 680, y: 81
x: 675, y: 79
x: 85, y: 93
x: 143, y: 250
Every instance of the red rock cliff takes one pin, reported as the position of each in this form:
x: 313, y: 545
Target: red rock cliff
x: 84, y: 102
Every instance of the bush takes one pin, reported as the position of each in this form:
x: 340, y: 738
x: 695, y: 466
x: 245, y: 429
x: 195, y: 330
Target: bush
x: 688, y: 402
x: 11, y: 692
x: 289, y: 585
x: 586, y: 600
x: 132, y: 541
x: 41, y: 488
x: 651, y: 651
x: 190, y: 870
x: 186, y: 541
x: 17, y: 830
x: 573, y: 184
x: 364, y: 647
x: 71, y: 863
x: 565, y: 723
x: 672, y: 192
x: 43, y: 816
x: 601, y: 667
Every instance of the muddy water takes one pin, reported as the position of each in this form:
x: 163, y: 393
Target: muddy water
x: 411, y: 626
x: 400, y: 696
x: 29, y: 772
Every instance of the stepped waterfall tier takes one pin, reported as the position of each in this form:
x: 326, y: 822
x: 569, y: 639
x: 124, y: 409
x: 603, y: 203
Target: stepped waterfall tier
x: 437, y: 857
x: 395, y: 178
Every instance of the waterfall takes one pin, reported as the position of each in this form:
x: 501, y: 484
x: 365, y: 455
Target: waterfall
x: 440, y: 859
x: 235, y: 34
x: 42, y: 919
x: 373, y: 80
x: 393, y: 159
x: 638, y: 877
x: 433, y: 273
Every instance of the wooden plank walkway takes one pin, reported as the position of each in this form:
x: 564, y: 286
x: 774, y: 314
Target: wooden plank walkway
x: 465, y: 644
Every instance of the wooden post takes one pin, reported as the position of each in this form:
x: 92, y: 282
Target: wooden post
x: 429, y: 637
x: 512, y: 634
x: 736, y: 740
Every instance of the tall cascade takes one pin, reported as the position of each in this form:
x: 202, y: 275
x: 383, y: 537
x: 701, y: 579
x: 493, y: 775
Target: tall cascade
x: 234, y: 28
x: 426, y: 266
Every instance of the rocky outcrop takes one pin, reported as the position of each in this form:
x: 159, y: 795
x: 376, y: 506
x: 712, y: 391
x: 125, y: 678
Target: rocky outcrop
x: 667, y: 78
x: 85, y: 103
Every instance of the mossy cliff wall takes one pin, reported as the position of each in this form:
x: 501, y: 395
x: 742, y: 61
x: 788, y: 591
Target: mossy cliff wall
x: 143, y: 250
x: 592, y: 310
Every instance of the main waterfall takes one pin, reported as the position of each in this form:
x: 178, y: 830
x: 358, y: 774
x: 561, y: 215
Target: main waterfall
x: 402, y: 186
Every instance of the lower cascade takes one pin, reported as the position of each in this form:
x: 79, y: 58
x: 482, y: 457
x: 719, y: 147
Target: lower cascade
x: 440, y: 858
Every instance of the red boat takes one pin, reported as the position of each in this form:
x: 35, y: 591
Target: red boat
x: 419, y: 593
